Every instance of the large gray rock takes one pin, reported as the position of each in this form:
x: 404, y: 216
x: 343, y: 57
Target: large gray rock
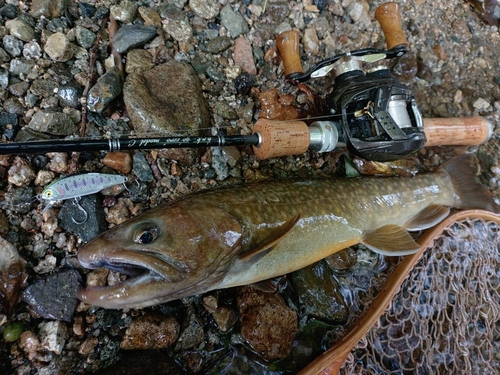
x: 167, y: 99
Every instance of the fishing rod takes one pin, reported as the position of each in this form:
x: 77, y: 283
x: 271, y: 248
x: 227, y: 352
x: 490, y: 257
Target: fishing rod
x: 372, y: 114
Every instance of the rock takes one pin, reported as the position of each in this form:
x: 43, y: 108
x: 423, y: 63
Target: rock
x: 43, y: 87
x: 206, y: 9
x: 32, y: 50
x: 85, y: 37
x: 69, y: 95
x: 267, y: 323
x: 47, y: 8
x: 4, y: 78
x: 141, y: 362
x: 124, y: 12
x: 86, y: 9
x: 106, y: 89
x: 219, y: 44
x: 319, y: 295
x: 19, y: 199
x: 224, y: 317
x: 20, y: 30
x: 166, y: 100
x: 55, y: 296
x: 138, y: 60
x: 20, y: 173
x: 119, y: 161
x: 243, y: 55
x: 95, y: 222
x: 151, y: 332
x: 310, y: 41
x: 58, y: 47
x: 12, y: 45
x: 175, y: 23
x: 9, y: 11
x: 150, y: 17
x: 141, y: 168
x: 12, y: 276
x: 56, y: 123
x: 278, y: 10
x: 20, y: 67
x: 53, y: 336
x: 19, y: 88
x: 233, y: 22
x: 355, y: 11
x: 482, y: 105
x: 131, y: 36
x: 192, y: 334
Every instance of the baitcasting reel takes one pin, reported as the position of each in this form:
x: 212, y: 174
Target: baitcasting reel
x: 379, y: 117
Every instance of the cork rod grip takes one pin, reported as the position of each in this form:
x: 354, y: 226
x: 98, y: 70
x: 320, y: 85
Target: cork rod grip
x: 464, y: 131
x: 288, y: 46
x: 281, y: 138
x: 388, y: 16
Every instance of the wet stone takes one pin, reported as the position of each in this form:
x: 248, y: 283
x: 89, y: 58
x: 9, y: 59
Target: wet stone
x: 174, y: 23
x: 119, y: 161
x: 219, y: 44
x: 86, y: 226
x: 69, y: 95
x: 20, y: 173
x: 141, y: 168
x: 56, y: 123
x: 318, y: 293
x: 106, y: 89
x: 166, y: 100
x: 131, y: 36
x: 19, y: 199
x: 151, y: 332
x: 53, y: 335
x: 54, y: 297
x: 86, y: 9
x: 139, y: 362
x: 20, y: 30
x: 267, y: 323
x: 138, y: 60
x: 84, y: 37
x: 12, y: 45
x: 233, y: 22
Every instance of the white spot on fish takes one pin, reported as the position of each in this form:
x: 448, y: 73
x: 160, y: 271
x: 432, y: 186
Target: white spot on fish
x: 231, y: 237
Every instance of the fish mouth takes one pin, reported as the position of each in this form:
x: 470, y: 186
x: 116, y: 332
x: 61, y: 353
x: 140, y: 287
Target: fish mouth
x: 149, y: 275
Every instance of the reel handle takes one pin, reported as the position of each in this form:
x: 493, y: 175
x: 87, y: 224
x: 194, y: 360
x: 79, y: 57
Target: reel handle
x: 388, y: 16
x: 458, y: 131
x: 288, y: 46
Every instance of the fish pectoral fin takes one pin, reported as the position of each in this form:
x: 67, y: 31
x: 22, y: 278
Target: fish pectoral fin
x: 428, y: 217
x: 266, y: 286
x: 269, y: 242
x: 391, y: 240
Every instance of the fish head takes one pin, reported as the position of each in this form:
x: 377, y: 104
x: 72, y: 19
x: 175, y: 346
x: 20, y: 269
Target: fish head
x: 169, y: 252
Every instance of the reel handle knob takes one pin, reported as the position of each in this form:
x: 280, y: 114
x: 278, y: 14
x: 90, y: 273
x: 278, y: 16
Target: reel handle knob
x: 388, y: 16
x: 288, y: 46
x: 459, y: 131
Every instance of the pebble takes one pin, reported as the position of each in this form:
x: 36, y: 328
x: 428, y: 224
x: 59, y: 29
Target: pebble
x: 21, y: 67
x: 54, y: 297
x: 141, y: 167
x: 150, y: 17
x: 12, y: 277
x: 482, y: 104
x: 47, y: 8
x: 9, y: 11
x: 53, y: 335
x: 267, y: 323
x: 106, y: 89
x: 47, y: 264
x: 58, y: 162
x: 233, y: 22
x: 139, y: 362
x: 20, y: 199
x: 138, y: 60
x: 20, y: 173
x: 124, y: 12
x: 278, y: 10
x: 118, y: 213
x: 310, y: 41
x: 175, y: 24
x: 4, y: 78
x: 355, y: 11
x: 12, y: 45
x: 32, y: 50
x: 19, y: 88
x: 224, y: 317
x: 219, y: 44
x: 243, y: 55
x: 69, y: 95
x: 55, y: 123
x: 119, y: 161
x: 21, y: 30
x: 207, y: 9
x: 88, y: 345
x: 58, y: 47
x: 29, y: 343
x: 131, y: 36
x: 192, y: 334
x: 166, y: 100
x: 4, y: 56
x: 84, y: 37
x: 151, y: 332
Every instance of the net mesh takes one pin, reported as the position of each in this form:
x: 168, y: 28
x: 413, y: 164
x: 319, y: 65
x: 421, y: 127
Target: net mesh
x: 446, y: 317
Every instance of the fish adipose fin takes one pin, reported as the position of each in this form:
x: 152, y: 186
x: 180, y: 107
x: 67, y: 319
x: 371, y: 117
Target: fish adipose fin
x: 471, y: 193
x: 266, y: 245
x: 427, y: 218
x: 391, y: 240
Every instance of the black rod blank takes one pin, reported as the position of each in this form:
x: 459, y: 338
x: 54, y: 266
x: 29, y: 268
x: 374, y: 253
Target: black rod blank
x: 117, y: 144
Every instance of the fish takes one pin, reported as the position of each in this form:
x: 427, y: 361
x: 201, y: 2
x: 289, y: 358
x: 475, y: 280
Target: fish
x: 247, y: 234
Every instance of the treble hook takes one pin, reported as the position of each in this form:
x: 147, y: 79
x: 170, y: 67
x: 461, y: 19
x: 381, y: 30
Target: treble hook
x: 85, y: 213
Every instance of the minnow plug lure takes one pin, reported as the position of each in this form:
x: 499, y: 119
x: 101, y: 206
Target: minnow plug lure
x: 77, y: 186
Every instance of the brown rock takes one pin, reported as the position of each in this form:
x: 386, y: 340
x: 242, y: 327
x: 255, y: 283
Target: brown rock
x: 138, y: 60
x: 151, y: 332
x: 267, y: 323
x: 119, y: 161
x: 243, y: 55
x: 166, y: 100
x: 88, y: 345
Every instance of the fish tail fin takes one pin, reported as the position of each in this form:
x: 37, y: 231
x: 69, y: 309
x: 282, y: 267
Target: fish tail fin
x: 471, y: 194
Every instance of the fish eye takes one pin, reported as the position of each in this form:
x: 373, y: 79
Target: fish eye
x: 145, y: 236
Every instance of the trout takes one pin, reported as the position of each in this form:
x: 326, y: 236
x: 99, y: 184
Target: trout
x: 245, y: 234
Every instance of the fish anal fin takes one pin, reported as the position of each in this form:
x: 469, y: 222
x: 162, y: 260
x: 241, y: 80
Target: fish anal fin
x: 391, y: 240
x: 428, y: 217
x: 267, y: 244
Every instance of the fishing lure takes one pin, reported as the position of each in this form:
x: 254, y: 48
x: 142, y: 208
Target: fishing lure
x: 76, y: 186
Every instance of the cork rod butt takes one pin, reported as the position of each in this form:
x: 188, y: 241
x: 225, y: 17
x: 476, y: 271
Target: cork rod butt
x: 281, y: 138
x: 288, y: 46
x: 460, y: 131
x: 388, y: 16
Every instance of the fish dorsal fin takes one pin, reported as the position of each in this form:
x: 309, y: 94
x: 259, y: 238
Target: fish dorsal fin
x: 428, y: 217
x: 264, y: 246
x: 391, y: 240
